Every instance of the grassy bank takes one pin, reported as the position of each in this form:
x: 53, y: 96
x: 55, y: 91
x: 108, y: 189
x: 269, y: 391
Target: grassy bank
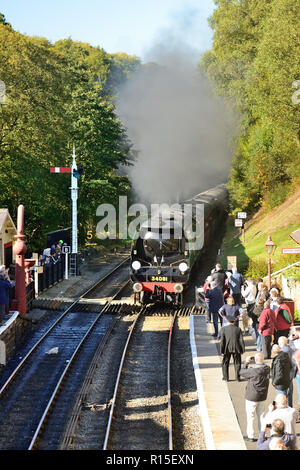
x: 251, y: 253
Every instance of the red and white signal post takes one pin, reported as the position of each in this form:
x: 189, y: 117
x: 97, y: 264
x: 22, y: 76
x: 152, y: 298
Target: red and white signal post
x: 75, y: 174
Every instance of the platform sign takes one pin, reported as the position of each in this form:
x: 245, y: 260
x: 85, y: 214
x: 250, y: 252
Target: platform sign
x: 231, y: 262
x: 2, y: 92
x: 66, y: 250
x: 290, y: 251
x: 242, y: 215
x: 238, y: 222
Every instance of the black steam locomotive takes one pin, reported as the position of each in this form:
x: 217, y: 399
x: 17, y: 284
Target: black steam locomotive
x: 165, y: 250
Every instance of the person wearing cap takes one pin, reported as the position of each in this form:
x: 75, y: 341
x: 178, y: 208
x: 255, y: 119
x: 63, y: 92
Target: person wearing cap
x: 216, y: 299
x: 231, y: 344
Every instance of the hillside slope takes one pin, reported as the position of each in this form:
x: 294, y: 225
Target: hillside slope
x: 279, y: 223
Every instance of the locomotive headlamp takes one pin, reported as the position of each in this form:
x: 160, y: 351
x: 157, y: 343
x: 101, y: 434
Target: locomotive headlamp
x: 183, y: 267
x: 178, y: 288
x: 136, y: 265
x: 137, y: 287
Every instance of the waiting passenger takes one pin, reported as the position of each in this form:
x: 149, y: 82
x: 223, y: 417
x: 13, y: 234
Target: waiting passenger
x: 215, y: 297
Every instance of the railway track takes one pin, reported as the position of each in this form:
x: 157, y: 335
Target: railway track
x: 60, y: 356
x: 141, y: 409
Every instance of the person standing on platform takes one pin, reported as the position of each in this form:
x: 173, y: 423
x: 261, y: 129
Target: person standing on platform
x: 232, y: 310
x: 219, y: 276
x: 283, y: 343
x: 216, y: 299
x: 249, y: 293
x: 256, y: 391
x: 5, y: 286
x: 274, y: 298
x: 282, y: 369
x: 284, y: 320
x: 296, y: 357
x: 280, y: 410
x: 266, y: 329
x: 206, y: 300
x: 235, y: 284
x: 276, y: 430
x: 231, y: 344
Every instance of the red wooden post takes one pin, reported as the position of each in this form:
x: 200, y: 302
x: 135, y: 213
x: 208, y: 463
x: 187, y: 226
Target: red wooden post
x: 20, y: 250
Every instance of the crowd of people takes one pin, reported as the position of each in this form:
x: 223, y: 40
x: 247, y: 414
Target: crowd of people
x: 5, y: 285
x: 264, y: 314
x: 52, y: 254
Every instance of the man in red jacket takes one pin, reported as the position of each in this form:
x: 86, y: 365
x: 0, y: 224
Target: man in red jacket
x: 266, y: 328
x: 283, y: 320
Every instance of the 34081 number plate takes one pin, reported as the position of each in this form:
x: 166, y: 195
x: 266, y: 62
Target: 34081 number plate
x: 159, y: 278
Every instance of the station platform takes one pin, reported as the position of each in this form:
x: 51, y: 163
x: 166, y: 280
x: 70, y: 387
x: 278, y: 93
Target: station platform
x: 222, y: 404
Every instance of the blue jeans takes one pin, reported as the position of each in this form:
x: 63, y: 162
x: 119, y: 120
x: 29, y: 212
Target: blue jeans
x: 216, y: 317
x: 208, y: 313
x: 256, y: 336
x: 258, y: 342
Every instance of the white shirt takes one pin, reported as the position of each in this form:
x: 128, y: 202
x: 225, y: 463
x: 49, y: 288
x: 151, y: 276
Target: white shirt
x: 288, y: 416
x: 249, y: 293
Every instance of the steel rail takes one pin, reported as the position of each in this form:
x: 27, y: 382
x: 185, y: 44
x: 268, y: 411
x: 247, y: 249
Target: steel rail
x: 75, y: 415
x: 64, y: 373
x: 114, y: 399
x: 30, y: 352
x: 169, y: 383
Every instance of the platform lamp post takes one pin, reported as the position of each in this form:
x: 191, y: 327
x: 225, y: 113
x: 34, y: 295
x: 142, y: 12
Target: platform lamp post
x: 270, y: 248
x: 20, y: 250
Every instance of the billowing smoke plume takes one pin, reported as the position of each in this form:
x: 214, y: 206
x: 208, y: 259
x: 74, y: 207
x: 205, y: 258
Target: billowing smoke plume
x: 180, y: 132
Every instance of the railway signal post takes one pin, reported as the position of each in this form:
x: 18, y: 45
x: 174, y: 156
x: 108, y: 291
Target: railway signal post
x: 75, y: 174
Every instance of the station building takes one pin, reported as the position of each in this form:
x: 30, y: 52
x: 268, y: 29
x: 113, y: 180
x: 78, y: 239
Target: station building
x: 7, y: 232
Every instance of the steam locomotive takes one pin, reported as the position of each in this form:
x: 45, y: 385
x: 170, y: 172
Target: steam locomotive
x: 165, y: 251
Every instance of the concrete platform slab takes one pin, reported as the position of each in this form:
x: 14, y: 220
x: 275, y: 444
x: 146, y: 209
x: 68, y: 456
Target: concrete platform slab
x: 221, y: 428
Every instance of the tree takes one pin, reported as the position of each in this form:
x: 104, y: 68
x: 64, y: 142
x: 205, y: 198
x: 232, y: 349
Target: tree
x: 253, y: 62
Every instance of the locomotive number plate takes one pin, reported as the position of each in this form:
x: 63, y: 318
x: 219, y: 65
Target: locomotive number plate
x: 159, y: 278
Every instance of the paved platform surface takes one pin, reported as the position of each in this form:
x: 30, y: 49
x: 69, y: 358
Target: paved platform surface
x: 222, y: 404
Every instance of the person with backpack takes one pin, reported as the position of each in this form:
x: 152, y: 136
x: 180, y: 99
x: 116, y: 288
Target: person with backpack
x: 281, y: 370
x: 283, y: 320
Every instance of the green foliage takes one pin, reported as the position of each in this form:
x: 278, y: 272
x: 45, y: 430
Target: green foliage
x: 257, y: 268
x: 253, y: 63
x: 57, y: 95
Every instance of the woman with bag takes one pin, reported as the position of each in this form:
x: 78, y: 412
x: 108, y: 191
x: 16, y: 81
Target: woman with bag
x: 283, y: 320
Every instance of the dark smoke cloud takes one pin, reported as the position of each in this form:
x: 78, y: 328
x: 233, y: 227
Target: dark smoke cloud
x: 180, y: 131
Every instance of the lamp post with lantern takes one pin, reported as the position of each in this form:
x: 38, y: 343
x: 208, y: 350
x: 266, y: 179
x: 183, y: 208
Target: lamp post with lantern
x: 270, y: 247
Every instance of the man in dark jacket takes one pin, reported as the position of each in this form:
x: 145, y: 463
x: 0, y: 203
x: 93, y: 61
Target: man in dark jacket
x: 282, y: 369
x: 219, y: 277
x: 231, y: 344
x: 235, y: 283
x: 215, y: 301
x: 256, y: 391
